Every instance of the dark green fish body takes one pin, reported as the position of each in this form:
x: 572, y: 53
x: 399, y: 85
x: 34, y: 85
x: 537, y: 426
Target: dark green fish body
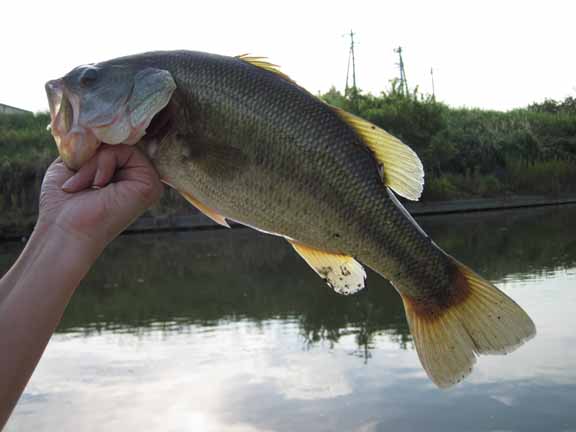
x: 242, y: 142
x: 263, y: 152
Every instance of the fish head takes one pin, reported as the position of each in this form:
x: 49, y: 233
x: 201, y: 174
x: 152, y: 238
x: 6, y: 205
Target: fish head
x: 104, y: 103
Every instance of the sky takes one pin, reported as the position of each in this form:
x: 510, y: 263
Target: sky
x: 488, y: 54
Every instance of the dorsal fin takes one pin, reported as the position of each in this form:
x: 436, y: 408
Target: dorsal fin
x: 402, y: 170
x: 263, y: 63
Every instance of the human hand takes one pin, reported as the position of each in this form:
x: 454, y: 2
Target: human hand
x: 80, y: 213
x: 99, y: 201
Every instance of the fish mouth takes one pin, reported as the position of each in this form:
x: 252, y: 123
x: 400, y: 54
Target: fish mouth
x: 76, y: 144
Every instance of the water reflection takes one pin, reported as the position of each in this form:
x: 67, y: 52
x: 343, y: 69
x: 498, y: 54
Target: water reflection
x: 229, y: 330
x: 168, y: 281
x: 171, y: 280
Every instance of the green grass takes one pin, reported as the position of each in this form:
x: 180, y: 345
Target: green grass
x: 25, y: 140
x: 470, y: 153
x: 553, y: 177
x: 26, y: 150
x: 546, y: 177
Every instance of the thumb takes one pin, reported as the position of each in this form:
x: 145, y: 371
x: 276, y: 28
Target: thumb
x: 57, y: 174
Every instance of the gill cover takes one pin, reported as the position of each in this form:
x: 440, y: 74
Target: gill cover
x: 151, y: 92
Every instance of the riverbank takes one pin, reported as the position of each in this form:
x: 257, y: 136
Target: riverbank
x: 194, y: 220
x: 472, y: 158
x: 198, y: 221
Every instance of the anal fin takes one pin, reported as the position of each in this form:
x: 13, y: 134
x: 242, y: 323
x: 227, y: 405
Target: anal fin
x: 341, y: 272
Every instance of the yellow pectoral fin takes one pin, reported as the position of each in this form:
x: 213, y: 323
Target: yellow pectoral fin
x: 402, y: 169
x: 212, y: 214
x: 341, y: 272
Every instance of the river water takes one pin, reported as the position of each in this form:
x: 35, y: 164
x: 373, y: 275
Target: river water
x: 229, y: 330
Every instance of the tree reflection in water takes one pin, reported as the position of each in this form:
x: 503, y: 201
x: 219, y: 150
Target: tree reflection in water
x: 173, y: 282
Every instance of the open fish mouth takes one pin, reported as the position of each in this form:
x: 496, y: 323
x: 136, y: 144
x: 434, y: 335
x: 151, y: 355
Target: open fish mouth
x: 76, y: 144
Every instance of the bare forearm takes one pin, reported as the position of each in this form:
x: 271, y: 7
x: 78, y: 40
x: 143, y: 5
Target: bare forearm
x: 33, y: 296
x: 9, y: 280
x: 35, y: 292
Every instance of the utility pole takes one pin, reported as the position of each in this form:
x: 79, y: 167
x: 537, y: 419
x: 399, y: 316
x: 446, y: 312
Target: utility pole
x: 351, y: 91
x: 433, y: 89
x: 403, y: 81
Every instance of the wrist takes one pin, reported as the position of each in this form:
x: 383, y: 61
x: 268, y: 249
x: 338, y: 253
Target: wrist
x: 72, y: 248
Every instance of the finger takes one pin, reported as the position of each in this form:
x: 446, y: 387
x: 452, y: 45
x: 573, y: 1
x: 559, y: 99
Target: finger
x: 107, y: 164
x: 135, y: 167
x: 124, y: 156
x: 57, y: 173
x: 113, y: 160
x: 134, y: 164
x: 138, y: 172
x: 83, y: 178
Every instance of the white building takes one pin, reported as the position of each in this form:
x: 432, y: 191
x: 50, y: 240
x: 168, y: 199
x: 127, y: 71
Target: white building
x: 7, y: 109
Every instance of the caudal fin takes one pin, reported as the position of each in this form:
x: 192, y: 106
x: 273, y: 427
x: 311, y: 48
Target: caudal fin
x: 478, y: 319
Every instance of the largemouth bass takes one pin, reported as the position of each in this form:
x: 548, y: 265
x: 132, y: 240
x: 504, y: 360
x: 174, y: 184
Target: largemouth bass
x: 243, y: 142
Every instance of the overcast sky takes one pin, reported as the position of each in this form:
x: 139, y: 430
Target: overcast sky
x: 489, y: 54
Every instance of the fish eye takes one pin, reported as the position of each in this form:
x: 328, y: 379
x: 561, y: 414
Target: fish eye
x: 89, y: 77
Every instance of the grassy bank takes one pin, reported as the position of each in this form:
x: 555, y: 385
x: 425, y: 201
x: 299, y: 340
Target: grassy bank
x: 467, y: 153
x: 26, y: 150
x: 472, y: 153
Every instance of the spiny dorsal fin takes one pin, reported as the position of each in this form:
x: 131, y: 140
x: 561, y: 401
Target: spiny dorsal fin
x: 342, y: 273
x: 402, y: 170
x: 263, y: 63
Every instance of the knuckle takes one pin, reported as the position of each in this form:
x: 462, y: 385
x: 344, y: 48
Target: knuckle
x: 151, y: 192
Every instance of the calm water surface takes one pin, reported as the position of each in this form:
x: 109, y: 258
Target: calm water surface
x: 229, y: 330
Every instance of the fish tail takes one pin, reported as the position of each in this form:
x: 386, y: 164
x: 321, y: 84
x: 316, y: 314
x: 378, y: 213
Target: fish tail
x: 476, y: 318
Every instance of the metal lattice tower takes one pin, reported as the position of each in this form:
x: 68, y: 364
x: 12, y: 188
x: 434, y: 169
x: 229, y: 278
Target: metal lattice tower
x: 351, y: 60
x: 403, y: 81
x: 433, y: 86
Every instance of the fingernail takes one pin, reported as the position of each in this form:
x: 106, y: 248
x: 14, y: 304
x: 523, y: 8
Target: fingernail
x: 96, y: 187
x: 97, y: 180
x: 68, y: 184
